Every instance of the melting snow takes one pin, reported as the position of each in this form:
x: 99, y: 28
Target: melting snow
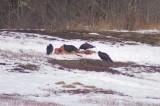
x: 150, y: 31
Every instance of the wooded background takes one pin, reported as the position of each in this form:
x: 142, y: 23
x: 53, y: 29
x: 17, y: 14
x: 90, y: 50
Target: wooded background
x: 80, y: 14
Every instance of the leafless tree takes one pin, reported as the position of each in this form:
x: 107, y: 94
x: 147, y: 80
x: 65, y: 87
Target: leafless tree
x: 80, y: 14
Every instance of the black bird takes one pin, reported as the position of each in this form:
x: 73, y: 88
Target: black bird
x: 86, y: 46
x: 104, y: 56
x: 69, y: 48
x: 49, y: 49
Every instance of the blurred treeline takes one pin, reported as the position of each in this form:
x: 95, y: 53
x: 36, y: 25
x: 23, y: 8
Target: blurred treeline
x: 80, y: 14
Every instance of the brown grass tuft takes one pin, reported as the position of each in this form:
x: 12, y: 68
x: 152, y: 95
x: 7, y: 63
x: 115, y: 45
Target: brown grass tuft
x: 68, y: 86
x: 28, y: 66
x: 86, y: 91
x: 77, y: 83
x: 60, y: 83
x: 91, y: 87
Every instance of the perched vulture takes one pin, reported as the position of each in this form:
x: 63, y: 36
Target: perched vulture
x: 49, y: 49
x: 70, y: 48
x: 86, y: 46
x: 104, y: 56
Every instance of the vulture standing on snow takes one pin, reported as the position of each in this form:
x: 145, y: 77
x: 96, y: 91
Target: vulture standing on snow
x: 70, y: 48
x: 86, y: 46
x: 104, y: 56
x: 49, y: 49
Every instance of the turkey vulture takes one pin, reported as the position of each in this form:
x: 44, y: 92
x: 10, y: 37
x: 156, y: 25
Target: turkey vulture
x: 69, y: 48
x: 104, y: 56
x: 86, y: 46
x: 49, y: 49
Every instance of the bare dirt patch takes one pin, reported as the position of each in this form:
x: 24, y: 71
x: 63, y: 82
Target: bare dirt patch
x: 25, y: 68
x: 85, y: 64
x: 87, y: 86
x: 20, y: 70
x: 28, y: 66
x: 107, y: 36
x: 68, y: 86
x: 77, y: 83
x: 60, y: 83
x: 102, y: 66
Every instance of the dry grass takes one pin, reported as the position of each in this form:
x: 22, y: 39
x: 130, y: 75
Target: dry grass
x: 60, y: 83
x: 152, y: 39
x: 13, y: 100
x: 74, y: 85
x: 91, y: 87
x: 68, y: 86
x: 28, y: 66
x: 85, y: 91
x: 77, y: 83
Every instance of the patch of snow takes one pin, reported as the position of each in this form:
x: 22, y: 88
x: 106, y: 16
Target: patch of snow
x: 119, y: 30
x: 149, y: 31
x: 94, y: 33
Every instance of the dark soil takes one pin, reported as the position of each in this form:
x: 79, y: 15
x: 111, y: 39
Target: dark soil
x: 103, y: 66
x: 86, y: 64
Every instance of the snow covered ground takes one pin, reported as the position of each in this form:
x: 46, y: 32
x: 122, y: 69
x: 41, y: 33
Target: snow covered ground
x: 28, y: 48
